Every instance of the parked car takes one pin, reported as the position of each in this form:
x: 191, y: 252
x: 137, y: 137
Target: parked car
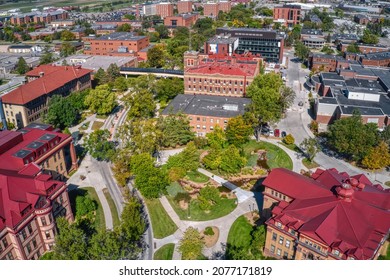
x: 271, y: 133
x: 300, y: 103
x: 277, y: 133
x: 284, y: 134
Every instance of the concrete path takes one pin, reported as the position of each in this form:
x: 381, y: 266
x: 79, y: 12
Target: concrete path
x: 93, y: 179
x: 241, y: 194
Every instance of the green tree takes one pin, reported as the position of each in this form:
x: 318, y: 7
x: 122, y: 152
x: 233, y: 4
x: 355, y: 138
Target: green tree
x: 124, y: 28
x: 385, y: 135
x: 369, y: 38
x: 156, y: 56
x: 133, y: 224
x: 311, y: 147
x: 84, y: 206
x: 98, y: 144
x: 61, y: 112
x: 217, y: 138
x: 100, y: 77
x: 301, y: 51
x: 191, y: 245
x: 188, y: 159
x: 104, y: 245
x: 67, y: 35
x: 287, y: 96
x: 163, y: 31
x: 353, y: 48
x: 149, y: 180
x: 353, y: 138
x: 176, y: 130
x: 327, y: 50
x: 141, y: 104
x: 22, y: 67
x: 231, y: 160
x: 121, y: 166
x: 213, y: 159
x: 113, y: 72
x: 377, y: 157
x: 167, y: 89
x: 120, y: 84
x: 70, y: 243
x: 238, y: 131
x: 67, y: 49
x: 46, y: 58
x: 101, y: 100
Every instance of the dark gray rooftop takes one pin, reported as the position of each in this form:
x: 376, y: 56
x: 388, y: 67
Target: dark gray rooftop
x: 120, y: 36
x: 35, y: 145
x: 207, y: 105
x: 378, y: 55
x: 311, y: 32
x: 327, y: 100
x: 364, y: 111
x: 41, y: 126
x: 331, y: 76
x: 22, y: 153
x: 47, y: 137
x: 222, y: 40
x: 363, y: 83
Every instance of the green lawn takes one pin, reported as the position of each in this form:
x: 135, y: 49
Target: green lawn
x: 309, y: 164
x: 97, y: 125
x: 240, y: 233
x: 114, y: 212
x: 165, y: 252
x: 292, y: 147
x: 276, y: 157
x: 197, y: 177
x: 100, y: 222
x: 163, y: 225
x: 224, y: 207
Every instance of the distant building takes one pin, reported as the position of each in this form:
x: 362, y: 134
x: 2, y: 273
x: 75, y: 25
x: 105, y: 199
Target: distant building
x: 291, y: 14
x: 364, y: 48
x: 117, y: 44
x: 313, y: 38
x: 20, y: 48
x: 211, y: 9
x: 62, y: 23
x: 219, y: 74
x: 184, y: 7
x: 323, y: 62
x: 361, y: 19
x: 186, y: 20
x: 164, y: 10
x: 205, y: 112
x: 29, y: 102
x: 330, y: 216
x: 267, y: 43
x: 149, y: 10
x: 39, y: 17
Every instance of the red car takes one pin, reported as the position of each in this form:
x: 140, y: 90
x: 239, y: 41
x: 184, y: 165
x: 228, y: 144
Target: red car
x: 277, y: 133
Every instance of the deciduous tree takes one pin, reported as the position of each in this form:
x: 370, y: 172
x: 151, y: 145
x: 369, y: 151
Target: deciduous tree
x: 191, y: 245
x: 311, y: 147
x: 377, y: 157
x: 238, y: 131
x: 22, y: 67
x: 99, y: 146
x: 101, y: 100
x: 61, y: 112
x: 176, y: 130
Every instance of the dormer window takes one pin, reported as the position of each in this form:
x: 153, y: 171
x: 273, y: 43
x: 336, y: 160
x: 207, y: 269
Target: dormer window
x: 278, y: 224
x: 337, y: 252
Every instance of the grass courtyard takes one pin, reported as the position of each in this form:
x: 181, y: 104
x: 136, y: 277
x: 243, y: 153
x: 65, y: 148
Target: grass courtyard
x: 162, y: 224
x: 165, y: 252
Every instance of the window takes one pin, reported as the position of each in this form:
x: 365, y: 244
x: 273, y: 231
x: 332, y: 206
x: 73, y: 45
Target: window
x: 211, y: 128
x: 274, y: 236
x: 281, y: 239
x: 5, y: 243
x: 43, y: 221
x: 285, y: 255
x: 198, y: 119
x: 23, y: 232
x: 204, y: 127
x: 198, y: 126
x: 28, y: 247
x: 47, y: 234
x: 61, y: 200
x: 272, y: 249
x: 337, y: 252
x: 204, y: 119
x: 278, y: 224
x: 287, y: 243
x: 10, y: 256
x: 211, y: 120
x: 34, y: 243
x: 279, y: 252
x: 293, y: 232
x: 50, y: 219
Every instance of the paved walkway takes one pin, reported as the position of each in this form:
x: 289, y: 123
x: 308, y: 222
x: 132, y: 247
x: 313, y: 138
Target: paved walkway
x: 93, y: 179
x: 241, y: 194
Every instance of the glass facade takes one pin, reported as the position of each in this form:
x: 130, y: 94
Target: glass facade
x: 267, y: 48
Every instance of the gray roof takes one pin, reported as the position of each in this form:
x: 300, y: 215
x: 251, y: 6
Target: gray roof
x: 364, y: 111
x: 331, y: 76
x: 207, y: 105
x: 377, y: 56
x: 222, y: 40
x: 311, y: 32
x: 120, y: 36
x: 327, y: 100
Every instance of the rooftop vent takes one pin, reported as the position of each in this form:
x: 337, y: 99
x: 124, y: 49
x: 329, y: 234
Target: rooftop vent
x: 345, y: 191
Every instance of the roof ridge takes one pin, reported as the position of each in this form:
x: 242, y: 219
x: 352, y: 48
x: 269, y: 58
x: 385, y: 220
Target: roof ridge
x: 350, y: 223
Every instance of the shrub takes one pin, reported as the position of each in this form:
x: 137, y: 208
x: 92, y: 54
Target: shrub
x: 84, y: 206
x: 289, y: 139
x: 174, y: 188
x: 204, y: 203
x: 176, y: 173
x: 314, y: 127
x: 200, y: 142
x: 209, y: 231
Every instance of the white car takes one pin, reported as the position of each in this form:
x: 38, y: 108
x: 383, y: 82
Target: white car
x: 271, y: 133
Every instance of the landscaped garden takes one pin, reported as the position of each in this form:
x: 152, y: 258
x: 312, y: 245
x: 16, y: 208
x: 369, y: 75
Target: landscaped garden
x: 162, y: 224
x: 165, y: 252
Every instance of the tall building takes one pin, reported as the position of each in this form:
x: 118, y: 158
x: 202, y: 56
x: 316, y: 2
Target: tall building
x: 39, y: 17
x: 291, y: 14
x: 267, y: 43
x: 330, y: 216
x: 225, y: 45
x: 184, y: 6
x: 149, y: 10
x: 219, y: 74
x: 29, y: 102
x: 30, y: 202
x: 186, y: 20
x: 164, y: 10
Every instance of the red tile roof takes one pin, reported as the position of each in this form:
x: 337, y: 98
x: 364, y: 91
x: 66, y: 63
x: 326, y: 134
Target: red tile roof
x: 20, y: 193
x: 7, y: 159
x: 236, y: 69
x: 54, y: 78
x: 346, y: 214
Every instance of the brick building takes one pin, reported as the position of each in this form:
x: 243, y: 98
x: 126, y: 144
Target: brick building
x: 39, y: 17
x: 211, y: 9
x: 205, y: 112
x: 361, y: 19
x: 224, y: 45
x: 164, y: 10
x: 116, y: 44
x: 363, y: 48
x: 323, y: 62
x: 27, y: 103
x: 184, y: 7
x: 330, y: 216
x: 30, y: 203
x: 291, y: 14
x: 186, y: 20
x: 219, y: 74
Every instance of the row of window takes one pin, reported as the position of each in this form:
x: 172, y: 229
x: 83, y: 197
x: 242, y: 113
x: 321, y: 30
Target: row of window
x: 311, y: 244
x: 3, y: 244
x: 204, y: 119
x: 44, y: 221
x: 214, y: 89
x: 26, y: 232
x: 30, y: 246
x: 205, y: 127
x: 287, y: 244
x: 278, y: 194
x: 212, y: 81
x: 279, y: 252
